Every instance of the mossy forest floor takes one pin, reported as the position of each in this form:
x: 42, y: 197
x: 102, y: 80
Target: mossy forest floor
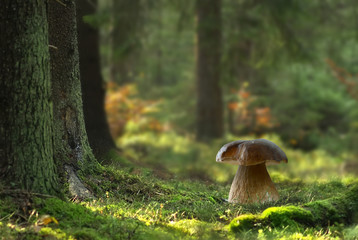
x: 133, y: 203
x: 143, y: 207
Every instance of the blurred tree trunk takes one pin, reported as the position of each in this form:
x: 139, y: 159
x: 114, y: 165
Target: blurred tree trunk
x: 26, y: 150
x: 72, y: 150
x: 126, y: 16
x: 238, y: 66
x: 93, y: 91
x: 208, y: 53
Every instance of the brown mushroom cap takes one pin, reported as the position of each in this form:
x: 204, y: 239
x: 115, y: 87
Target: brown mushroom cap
x: 251, y: 152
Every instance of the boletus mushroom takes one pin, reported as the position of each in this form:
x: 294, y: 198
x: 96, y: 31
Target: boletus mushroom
x: 252, y: 183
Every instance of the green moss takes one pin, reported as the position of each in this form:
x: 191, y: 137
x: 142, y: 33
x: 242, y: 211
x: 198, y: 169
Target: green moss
x: 193, y: 227
x: 115, y: 159
x: 130, y: 206
x: 86, y: 233
x: 68, y: 214
x: 342, y: 209
x: 7, y: 207
x: 324, y: 210
x: 244, y: 223
x: 324, y: 213
x: 287, y: 216
x: 125, y: 185
x: 351, y: 233
x: 47, y: 232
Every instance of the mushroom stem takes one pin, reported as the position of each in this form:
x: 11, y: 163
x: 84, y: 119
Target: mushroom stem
x: 252, y: 184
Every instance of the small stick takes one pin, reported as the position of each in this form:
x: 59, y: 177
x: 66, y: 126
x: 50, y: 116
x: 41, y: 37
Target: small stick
x: 52, y: 46
x: 60, y: 2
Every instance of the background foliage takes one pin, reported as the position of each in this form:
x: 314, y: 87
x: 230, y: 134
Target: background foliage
x: 288, y: 68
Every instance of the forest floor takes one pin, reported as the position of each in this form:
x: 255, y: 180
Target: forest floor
x: 134, y: 203
x: 143, y: 207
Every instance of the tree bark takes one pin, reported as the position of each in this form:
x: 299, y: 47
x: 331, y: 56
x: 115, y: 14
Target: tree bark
x: 208, y: 53
x: 72, y: 149
x: 92, y: 83
x: 26, y: 153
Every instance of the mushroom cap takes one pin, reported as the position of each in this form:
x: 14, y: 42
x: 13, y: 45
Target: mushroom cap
x: 251, y: 152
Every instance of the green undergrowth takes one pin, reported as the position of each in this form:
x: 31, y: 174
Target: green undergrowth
x: 133, y: 204
x: 186, y: 158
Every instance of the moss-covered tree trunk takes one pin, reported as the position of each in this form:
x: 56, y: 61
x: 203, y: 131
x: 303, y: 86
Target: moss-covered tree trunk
x: 72, y: 151
x: 208, y: 52
x: 26, y: 153
x: 93, y: 91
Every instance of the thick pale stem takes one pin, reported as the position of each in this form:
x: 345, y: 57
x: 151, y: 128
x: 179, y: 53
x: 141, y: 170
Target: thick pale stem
x: 252, y: 184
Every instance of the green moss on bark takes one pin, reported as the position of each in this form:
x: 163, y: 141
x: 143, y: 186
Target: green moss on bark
x: 71, y: 143
x: 26, y: 124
